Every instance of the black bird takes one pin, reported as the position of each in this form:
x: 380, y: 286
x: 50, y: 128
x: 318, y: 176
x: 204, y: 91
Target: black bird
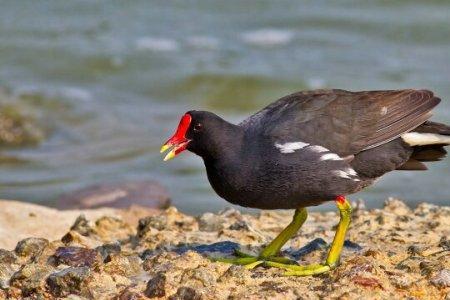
x: 310, y: 147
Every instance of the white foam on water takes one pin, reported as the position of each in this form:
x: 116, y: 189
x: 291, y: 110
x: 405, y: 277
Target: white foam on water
x: 156, y: 44
x: 67, y: 92
x: 203, y: 42
x: 268, y: 37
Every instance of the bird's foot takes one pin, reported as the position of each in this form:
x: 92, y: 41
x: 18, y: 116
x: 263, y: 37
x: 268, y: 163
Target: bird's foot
x: 296, y: 270
x: 251, y: 261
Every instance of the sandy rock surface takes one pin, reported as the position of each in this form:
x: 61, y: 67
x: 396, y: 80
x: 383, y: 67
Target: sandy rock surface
x: 19, y: 220
x: 394, y: 253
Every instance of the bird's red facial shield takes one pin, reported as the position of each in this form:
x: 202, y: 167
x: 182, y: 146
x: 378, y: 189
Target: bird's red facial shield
x: 178, y: 142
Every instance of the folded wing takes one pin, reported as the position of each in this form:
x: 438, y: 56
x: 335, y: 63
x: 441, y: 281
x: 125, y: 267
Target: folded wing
x: 342, y: 121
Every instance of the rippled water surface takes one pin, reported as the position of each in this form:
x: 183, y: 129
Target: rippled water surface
x: 110, y: 79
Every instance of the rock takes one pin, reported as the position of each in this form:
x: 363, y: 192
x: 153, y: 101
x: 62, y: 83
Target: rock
x: 69, y: 281
x: 18, y: 128
x: 20, y: 220
x: 158, y: 222
x: 401, y: 258
x: 186, y: 293
x: 7, y: 257
x: 156, y: 286
x: 107, y: 249
x: 210, y: 222
x: 118, y: 195
x: 78, y: 257
x: 82, y: 226
x: 107, y: 225
x: 124, y: 265
x: 30, y: 279
x: 6, y: 271
x: 130, y: 294
x: 441, y: 279
x: 31, y: 247
x: 396, y: 206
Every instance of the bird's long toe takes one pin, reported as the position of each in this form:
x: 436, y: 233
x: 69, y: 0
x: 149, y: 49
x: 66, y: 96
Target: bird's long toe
x: 250, y: 261
x: 296, y: 270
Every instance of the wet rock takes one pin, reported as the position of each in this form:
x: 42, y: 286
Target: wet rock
x: 156, y: 286
x: 31, y: 247
x: 118, y: 195
x: 210, y: 222
x: 77, y: 257
x: 17, y: 128
x: 69, y: 281
x: 222, y: 248
x: 441, y: 279
x: 124, y: 265
x: 186, y: 293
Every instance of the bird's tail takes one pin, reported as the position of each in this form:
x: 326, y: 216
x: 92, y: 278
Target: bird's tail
x: 428, y: 141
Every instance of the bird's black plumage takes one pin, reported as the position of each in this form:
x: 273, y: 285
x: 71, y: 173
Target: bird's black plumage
x: 310, y: 147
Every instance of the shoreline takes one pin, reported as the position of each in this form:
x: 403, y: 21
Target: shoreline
x: 394, y: 252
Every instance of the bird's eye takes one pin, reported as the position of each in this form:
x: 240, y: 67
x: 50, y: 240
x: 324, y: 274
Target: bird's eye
x: 198, y: 127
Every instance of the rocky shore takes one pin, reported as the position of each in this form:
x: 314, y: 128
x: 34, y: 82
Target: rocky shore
x: 391, y: 253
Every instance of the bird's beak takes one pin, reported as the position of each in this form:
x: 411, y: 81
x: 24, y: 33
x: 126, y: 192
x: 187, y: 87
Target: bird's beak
x: 178, y: 142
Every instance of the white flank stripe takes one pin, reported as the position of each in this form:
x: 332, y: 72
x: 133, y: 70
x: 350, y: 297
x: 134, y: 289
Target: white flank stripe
x: 351, y: 172
x: 290, y: 147
x: 341, y: 174
x: 420, y: 139
x: 330, y: 156
x: 318, y: 149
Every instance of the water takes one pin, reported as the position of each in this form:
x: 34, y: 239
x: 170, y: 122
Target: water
x: 110, y: 80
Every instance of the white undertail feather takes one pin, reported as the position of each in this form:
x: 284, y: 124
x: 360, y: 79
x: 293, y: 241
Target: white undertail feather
x: 421, y: 139
x: 291, y: 147
x: 330, y: 156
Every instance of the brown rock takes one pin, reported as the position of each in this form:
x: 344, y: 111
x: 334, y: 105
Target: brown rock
x: 118, y: 195
x: 69, y: 281
x: 78, y: 257
x: 31, y: 247
x: 156, y: 286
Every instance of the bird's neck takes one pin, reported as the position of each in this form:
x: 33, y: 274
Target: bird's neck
x: 226, y: 146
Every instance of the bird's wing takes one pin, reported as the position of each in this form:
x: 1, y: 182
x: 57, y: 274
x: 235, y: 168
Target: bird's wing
x: 342, y: 121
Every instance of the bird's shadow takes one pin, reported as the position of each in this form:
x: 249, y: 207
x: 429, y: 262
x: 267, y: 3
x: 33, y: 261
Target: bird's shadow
x: 228, y: 248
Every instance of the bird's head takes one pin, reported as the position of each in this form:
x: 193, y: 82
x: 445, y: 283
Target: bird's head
x: 200, y: 132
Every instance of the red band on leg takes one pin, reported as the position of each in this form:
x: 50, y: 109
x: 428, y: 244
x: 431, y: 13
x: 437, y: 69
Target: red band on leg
x: 340, y: 199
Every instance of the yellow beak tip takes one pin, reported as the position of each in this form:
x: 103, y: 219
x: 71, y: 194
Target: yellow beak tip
x: 164, y: 148
x: 169, y: 155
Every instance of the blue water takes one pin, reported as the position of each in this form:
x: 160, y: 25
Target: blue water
x: 110, y: 79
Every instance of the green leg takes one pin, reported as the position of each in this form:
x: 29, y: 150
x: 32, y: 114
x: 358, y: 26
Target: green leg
x: 269, y: 254
x: 334, y: 253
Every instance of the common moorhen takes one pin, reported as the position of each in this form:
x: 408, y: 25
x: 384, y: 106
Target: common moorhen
x: 310, y: 147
